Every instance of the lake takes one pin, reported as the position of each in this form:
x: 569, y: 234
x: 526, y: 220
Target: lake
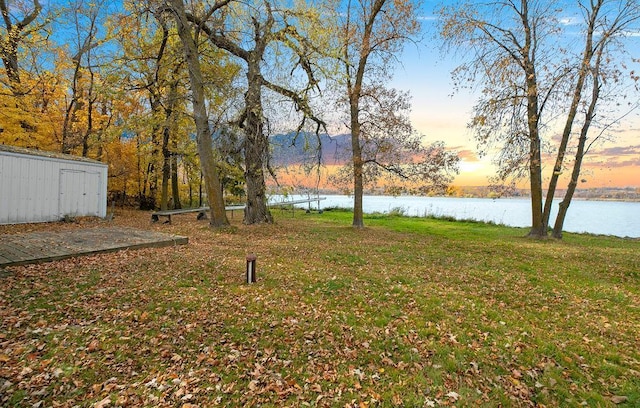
x: 619, y: 218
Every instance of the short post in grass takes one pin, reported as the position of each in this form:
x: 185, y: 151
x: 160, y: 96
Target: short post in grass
x: 251, y: 268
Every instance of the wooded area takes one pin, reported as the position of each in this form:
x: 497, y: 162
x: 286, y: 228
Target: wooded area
x: 174, y: 96
x: 181, y: 99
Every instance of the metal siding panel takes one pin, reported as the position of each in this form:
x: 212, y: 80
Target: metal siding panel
x: 5, y: 180
x: 12, y: 199
x: 103, y: 193
x: 45, y: 206
x: 50, y: 198
x: 12, y: 190
x: 92, y: 193
x: 30, y: 188
x: 39, y: 182
x: 21, y: 192
x: 71, y: 190
x: 33, y: 190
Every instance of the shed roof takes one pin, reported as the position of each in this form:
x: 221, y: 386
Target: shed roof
x: 50, y: 155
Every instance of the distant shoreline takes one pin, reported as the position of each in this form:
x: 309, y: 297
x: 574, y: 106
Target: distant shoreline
x: 630, y: 194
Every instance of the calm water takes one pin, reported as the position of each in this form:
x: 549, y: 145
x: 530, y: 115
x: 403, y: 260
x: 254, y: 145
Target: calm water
x: 597, y: 217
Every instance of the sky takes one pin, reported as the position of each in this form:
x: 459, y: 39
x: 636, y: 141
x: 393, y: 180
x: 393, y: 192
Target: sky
x: 441, y: 114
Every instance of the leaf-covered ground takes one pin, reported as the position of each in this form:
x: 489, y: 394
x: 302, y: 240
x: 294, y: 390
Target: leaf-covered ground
x: 408, y: 312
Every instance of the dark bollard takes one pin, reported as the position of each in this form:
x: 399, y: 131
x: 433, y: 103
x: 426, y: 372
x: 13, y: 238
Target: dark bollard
x: 251, y: 268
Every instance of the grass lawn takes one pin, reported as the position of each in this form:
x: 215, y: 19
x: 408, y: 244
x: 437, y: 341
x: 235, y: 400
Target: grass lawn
x: 407, y: 312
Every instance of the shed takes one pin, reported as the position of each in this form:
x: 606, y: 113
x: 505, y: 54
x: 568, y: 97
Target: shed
x: 39, y: 186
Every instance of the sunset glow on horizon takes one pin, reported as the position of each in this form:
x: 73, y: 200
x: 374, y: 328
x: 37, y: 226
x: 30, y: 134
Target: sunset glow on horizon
x: 440, y: 113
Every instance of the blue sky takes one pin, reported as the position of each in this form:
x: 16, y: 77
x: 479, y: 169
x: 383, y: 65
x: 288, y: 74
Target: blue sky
x: 443, y: 115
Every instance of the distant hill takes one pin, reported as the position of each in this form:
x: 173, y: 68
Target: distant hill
x: 289, y: 149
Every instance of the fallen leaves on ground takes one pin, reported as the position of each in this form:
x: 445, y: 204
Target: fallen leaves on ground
x: 338, y: 317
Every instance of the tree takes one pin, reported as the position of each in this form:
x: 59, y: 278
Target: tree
x: 529, y: 73
x: 272, y: 29
x: 26, y: 89
x: 81, y: 116
x: 152, y: 66
x: 12, y: 35
x: 370, y: 35
x: 189, y: 37
x: 606, y: 22
x: 390, y: 149
x: 149, y: 71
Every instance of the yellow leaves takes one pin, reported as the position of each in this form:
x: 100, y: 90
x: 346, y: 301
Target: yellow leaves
x: 479, y: 120
x: 23, y: 123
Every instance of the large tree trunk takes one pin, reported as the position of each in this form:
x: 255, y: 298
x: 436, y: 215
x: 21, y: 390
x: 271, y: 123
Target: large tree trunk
x: 166, y: 169
x: 210, y: 170
x: 175, y: 185
x: 156, y: 151
x: 358, y: 185
x: 10, y: 61
x: 256, y: 148
x: 15, y: 32
x: 538, y: 226
x: 169, y: 118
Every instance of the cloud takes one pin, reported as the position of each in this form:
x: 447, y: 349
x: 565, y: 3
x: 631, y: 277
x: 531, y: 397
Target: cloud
x: 569, y: 21
x: 626, y: 130
x: 618, y: 151
x: 427, y: 18
x: 612, y: 164
x: 616, y: 157
x: 468, y: 155
x: 633, y: 162
x: 631, y: 33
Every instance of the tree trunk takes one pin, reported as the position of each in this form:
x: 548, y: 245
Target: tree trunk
x: 200, y: 189
x: 175, y: 185
x: 14, y: 34
x: 582, y: 141
x: 10, y: 61
x: 71, y: 110
x: 571, y: 188
x: 203, y: 131
x: 91, y: 99
x: 256, y: 148
x: 587, y: 55
x: 166, y: 137
x: 538, y: 227
x: 166, y: 168
x: 152, y: 169
x: 358, y: 185
x: 89, y: 131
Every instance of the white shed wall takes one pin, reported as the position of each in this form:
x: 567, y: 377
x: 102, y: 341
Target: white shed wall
x: 40, y: 189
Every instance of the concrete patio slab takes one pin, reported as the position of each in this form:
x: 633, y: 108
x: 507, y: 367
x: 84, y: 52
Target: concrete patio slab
x: 35, y: 247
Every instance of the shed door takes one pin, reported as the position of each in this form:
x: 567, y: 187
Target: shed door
x: 79, y: 193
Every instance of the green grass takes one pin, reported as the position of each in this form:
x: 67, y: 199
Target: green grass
x: 406, y: 312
